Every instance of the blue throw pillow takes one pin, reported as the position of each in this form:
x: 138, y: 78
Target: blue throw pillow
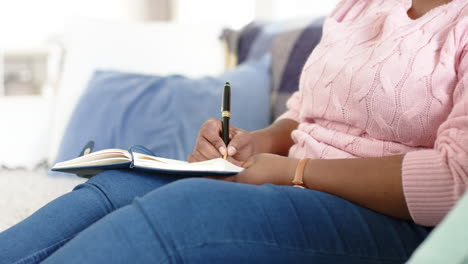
x: 164, y: 114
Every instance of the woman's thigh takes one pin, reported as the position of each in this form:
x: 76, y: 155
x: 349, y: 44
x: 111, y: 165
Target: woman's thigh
x: 42, y: 233
x: 119, y: 187
x: 208, y: 221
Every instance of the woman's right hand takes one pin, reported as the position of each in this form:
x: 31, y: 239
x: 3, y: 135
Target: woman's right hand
x: 210, y: 145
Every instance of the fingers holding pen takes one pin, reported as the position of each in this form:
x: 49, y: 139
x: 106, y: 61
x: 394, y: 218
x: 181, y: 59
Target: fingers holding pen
x: 237, y: 148
x: 229, y: 150
x: 200, y: 154
x: 209, y: 144
x: 241, y: 146
x: 207, y: 149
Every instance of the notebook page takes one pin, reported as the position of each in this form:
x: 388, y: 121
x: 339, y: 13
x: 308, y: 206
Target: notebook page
x: 98, y: 162
x: 110, y: 155
x: 218, y: 164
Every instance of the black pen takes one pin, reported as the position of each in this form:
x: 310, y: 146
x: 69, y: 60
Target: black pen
x: 226, y: 114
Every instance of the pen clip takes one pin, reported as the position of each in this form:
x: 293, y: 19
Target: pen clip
x: 226, y: 99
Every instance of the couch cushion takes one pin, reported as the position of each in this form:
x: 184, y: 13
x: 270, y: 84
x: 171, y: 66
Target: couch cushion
x: 290, y: 44
x: 120, y: 109
x: 150, y: 48
x: 290, y: 51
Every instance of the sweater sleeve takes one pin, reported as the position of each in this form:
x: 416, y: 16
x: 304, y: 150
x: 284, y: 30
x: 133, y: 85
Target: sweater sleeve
x: 435, y: 179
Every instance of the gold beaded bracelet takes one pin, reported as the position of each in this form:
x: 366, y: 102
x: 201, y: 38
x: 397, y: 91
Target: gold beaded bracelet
x: 299, y: 174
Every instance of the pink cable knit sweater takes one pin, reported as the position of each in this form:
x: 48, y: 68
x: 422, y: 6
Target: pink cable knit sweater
x: 380, y: 84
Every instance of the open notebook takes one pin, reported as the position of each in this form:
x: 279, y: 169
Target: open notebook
x: 95, y: 162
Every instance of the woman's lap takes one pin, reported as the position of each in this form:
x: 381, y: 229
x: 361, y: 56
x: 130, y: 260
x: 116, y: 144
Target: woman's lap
x: 207, y: 221
x: 53, y: 225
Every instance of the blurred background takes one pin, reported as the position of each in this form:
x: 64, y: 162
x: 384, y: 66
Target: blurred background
x: 40, y: 38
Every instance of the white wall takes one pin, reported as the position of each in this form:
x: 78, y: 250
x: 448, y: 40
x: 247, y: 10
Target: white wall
x: 237, y: 13
x: 284, y: 9
x: 28, y: 22
x: 232, y: 13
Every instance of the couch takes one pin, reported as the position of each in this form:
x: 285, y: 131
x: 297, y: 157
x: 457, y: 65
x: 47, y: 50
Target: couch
x: 105, y: 63
x: 264, y: 58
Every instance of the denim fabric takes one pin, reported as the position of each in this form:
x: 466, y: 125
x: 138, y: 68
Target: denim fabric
x: 35, y: 238
x: 209, y: 221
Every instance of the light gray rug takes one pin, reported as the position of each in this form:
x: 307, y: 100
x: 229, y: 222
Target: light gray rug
x: 22, y: 192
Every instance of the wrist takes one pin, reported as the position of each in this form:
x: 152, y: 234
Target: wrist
x: 313, y: 168
x: 292, y: 168
x: 262, y: 141
x: 276, y: 138
x: 285, y: 170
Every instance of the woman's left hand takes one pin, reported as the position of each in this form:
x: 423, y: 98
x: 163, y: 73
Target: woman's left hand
x: 266, y: 168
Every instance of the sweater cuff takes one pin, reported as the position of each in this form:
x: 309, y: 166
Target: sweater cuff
x: 428, y: 186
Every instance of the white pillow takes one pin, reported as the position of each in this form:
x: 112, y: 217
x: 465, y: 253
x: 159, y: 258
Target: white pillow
x: 24, y: 137
x: 152, y: 48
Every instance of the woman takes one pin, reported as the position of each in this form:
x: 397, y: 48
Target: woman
x: 377, y: 135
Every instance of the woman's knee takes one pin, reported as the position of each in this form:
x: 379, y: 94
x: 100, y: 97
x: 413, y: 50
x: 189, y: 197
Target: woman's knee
x: 120, y: 187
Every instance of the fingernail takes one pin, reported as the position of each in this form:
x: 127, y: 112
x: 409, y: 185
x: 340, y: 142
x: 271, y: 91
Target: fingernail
x: 222, y: 150
x: 231, y: 151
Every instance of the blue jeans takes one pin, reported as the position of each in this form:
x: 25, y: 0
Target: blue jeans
x: 204, y: 221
